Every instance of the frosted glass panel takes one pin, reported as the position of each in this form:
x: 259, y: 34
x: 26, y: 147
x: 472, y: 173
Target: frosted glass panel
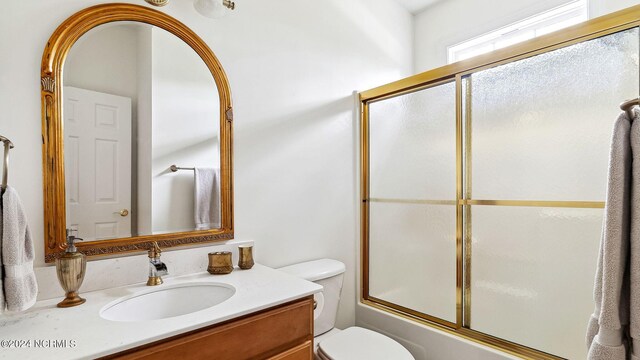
x: 412, y: 145
x: 541, y: 126
x: 532, y: 275
x: 413, y: 257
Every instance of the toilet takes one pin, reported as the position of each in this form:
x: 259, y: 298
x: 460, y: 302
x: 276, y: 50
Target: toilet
x: 354, y: 343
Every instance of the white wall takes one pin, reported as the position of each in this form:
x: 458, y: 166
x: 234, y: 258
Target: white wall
x: 603, y: 7
x: 292, y: 65
x: 449, y: 22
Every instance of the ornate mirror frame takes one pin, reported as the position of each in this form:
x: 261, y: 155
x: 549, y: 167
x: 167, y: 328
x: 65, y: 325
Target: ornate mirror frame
x: 55, y: 52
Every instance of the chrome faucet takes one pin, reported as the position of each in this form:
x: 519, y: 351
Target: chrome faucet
x: 157, y: 268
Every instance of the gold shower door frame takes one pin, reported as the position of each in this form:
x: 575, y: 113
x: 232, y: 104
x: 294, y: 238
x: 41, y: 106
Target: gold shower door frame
x: 598, y: 27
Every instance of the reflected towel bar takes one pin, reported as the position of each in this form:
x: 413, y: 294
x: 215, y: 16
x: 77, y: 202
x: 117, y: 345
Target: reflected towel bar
x: 628, y: 105
x: 175, y: 168
x: 5, y: 173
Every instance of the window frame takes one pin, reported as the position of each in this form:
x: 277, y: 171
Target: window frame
x: 572, y: 13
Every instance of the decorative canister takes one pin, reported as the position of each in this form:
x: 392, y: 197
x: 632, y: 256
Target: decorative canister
x: 220, y: 263
x: 246, y: 257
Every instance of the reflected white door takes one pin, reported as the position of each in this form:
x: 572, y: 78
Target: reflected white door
x: 97, y: 149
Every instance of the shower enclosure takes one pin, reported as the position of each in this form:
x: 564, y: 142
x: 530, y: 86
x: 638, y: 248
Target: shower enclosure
x: 483, y: 187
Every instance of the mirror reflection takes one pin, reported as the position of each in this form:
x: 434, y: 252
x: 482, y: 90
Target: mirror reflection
x: 137, y: 100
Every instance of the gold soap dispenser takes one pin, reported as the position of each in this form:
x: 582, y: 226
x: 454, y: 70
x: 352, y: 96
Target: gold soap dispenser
x: 71, y: 268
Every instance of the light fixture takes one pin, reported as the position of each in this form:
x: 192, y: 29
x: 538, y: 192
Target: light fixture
x: 210, y: 8
x: 213, y: 8
x: 157, y: 2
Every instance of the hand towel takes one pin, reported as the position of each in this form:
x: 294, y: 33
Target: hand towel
x: 634, y: 246
x: 207, y: 198
x: 3, y: 303
x: 606, y: 332
x: 19, y: 280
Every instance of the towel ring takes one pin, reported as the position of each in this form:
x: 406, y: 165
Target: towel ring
x: 5, y: 172
x: 628, y: 105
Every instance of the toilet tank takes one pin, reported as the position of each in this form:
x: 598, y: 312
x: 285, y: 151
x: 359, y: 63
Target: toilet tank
x: 328, y: 273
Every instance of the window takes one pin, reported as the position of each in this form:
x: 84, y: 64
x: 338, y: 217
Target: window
x: 544, y: 23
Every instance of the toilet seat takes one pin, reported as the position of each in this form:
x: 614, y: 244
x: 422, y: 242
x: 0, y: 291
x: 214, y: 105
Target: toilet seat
x: 356, y: 343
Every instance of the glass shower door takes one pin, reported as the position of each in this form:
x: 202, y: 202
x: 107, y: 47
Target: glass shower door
x: 538, y: 142
x: 412, y: 202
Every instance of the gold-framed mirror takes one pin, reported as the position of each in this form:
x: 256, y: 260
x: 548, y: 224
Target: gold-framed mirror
x: 121, y: 147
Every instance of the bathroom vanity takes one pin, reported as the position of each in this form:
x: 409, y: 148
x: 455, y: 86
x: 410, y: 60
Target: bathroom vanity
x: 268, y: 316
x: 249, y: 337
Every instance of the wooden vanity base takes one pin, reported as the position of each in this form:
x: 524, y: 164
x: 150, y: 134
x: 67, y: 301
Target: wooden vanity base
x: 280, y: 333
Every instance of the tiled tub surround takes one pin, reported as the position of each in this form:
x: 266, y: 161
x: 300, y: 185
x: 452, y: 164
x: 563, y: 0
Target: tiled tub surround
x: 87, y: 335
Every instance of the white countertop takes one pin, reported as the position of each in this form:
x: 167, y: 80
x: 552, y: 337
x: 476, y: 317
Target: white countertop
x: 48, y: 332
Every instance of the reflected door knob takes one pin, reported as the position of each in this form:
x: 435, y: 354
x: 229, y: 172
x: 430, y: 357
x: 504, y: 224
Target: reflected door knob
x: 123, y: 212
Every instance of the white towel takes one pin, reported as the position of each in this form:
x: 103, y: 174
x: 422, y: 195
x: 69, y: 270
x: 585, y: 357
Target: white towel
x: 613, y: 291
x: 18, y: 279
x: 207, y: 198
x: 3, y: 303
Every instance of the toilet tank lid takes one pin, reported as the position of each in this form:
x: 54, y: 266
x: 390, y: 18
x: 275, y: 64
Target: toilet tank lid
x: 316, y: 269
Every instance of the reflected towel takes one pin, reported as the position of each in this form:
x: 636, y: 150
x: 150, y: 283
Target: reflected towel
x: 207, y: 198
x: 607, y: 329
x: 18, y: 279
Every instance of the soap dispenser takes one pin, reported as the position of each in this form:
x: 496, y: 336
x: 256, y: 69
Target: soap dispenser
x: 71, y: 268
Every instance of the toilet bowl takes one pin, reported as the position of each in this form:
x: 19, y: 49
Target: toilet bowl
x: 354, y: 343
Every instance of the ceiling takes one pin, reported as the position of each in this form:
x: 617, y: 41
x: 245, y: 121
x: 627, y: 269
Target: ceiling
x: 415, y: 6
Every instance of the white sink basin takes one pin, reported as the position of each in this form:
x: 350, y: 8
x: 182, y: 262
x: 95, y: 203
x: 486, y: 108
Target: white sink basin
x: 167, y: 301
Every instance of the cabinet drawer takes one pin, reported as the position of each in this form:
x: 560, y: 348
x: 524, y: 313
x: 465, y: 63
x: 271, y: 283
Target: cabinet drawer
x: 256, y: 336
x: 300, y: 352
